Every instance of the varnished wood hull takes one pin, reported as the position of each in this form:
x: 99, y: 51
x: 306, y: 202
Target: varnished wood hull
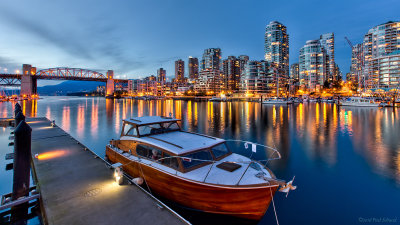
x: 250, y: 202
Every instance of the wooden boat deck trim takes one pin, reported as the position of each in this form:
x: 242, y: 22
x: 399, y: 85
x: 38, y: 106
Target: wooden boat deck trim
x: 271, y: 183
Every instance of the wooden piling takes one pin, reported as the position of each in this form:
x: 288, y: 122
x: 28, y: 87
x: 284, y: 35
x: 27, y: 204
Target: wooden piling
x: 16, y: 111
x: 21, y: 179
x: 22, y: 157
x: 18, y: 118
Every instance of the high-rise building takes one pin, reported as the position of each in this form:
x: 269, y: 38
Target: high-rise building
x: 356, y: 68
x: 231, y: 72
x: 161, y: 75
x: 384, y: 71
x: 276, y: 47
x: 193, y: 68
x: 338, y: 73
x: 328, y: 43
x: 294, y: 71
x: 209, y: 81
x: 211, y: 59
x: 312, y: 65
x: 381, y: 51
x: 243, y: 59
x: 257, y: 78
x: 179, y: 71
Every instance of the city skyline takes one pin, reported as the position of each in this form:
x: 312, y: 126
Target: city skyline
x: 32, y: 38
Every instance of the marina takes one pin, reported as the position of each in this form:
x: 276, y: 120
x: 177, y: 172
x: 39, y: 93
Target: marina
x: 317, y: 141
x: 147, y: 112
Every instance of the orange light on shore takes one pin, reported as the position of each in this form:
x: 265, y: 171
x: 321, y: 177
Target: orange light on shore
x: 51, y: 155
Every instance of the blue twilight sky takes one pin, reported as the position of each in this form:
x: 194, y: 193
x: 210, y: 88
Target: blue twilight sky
x: 134, y: 38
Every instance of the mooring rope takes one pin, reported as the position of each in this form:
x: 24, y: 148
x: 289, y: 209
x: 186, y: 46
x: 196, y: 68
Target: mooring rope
x: 273, y: 204
x: 144, y: 178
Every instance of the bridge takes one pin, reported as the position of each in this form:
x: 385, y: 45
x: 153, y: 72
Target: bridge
x: 28, y: 79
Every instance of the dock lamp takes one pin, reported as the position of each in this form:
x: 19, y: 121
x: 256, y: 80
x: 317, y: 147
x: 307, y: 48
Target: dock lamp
x: 118, y: 173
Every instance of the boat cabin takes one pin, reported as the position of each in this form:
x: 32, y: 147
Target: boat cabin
x: 360, y: 100
x: 160, y: 139
x: 150, y: 125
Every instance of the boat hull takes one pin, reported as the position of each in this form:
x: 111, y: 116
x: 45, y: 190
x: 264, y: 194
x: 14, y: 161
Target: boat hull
x: 359, y: 105
x: 277, y: 102
x: 249, y: 202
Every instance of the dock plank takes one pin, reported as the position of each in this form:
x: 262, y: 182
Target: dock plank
x: 77, y: 188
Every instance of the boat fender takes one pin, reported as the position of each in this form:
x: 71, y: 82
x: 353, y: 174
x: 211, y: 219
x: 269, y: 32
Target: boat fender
x: 138, y: 180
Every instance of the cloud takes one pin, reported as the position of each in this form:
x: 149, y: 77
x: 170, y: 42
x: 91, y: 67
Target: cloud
x: 8, y: 65
x: 40, y: 30
x: 97, y: 44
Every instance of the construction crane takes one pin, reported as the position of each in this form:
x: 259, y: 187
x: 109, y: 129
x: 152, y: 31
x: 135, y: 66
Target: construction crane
x: 348, y: 41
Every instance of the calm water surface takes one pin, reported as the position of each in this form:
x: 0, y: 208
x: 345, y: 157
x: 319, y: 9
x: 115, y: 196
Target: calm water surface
x: 346, y: 160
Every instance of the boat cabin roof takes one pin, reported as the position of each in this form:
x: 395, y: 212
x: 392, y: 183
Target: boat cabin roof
x: 172, y: 140
x: 178, y: 142
x: 147, y: 120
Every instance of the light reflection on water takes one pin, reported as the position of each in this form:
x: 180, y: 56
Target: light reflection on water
x: 342, y: 150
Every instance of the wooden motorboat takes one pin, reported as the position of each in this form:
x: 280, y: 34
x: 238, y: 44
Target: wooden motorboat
x: 194, y: 170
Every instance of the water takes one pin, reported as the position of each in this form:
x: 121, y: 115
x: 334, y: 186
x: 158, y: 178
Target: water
x: 346, y: 160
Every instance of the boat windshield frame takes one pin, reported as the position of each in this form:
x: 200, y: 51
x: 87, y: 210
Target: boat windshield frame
x: 181, y: 158
x: 203, y: 162
x: 154, y: 130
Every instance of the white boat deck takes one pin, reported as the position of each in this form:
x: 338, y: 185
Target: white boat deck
x: 216, y: 176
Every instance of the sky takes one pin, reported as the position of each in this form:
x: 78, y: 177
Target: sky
x: 135, y: 38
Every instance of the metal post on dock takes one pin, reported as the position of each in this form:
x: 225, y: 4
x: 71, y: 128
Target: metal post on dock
x: 18, y: 118
x: 22, y: 158
x: 16, y: 111
x: 17, y: 105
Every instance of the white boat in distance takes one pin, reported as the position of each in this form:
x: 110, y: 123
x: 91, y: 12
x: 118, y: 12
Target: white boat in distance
x: 217, y: 99
x: 360, y: 102
x: 277, y: 101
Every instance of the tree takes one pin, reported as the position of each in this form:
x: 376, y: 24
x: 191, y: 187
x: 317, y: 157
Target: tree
x: 326, y: 84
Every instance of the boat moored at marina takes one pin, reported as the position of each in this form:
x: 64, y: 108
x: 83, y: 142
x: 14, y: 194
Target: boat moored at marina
x: 278, y: 101
x: 360, y: 102
x: 217, y: 99
x: 195, y: 170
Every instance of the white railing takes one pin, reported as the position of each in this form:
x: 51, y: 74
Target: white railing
x: 272, y: 154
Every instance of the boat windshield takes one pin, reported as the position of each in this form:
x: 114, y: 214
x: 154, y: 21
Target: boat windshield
x: 129, y: 130
x: 158, y: 128
x: 196, y: 158
x: 220, y: 150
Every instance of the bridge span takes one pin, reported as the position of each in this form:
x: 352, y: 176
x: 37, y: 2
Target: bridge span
x: 28, y: 79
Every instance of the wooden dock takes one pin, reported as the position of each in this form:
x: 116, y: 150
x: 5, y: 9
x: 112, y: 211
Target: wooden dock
x: 76, y: 186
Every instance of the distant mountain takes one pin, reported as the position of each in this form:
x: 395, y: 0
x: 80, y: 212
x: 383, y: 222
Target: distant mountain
x: 69, y: 86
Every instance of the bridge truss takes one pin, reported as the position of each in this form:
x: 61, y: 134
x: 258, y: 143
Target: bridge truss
x: 10, y: 80
x: 60, y: 73
x: 65, y: 73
